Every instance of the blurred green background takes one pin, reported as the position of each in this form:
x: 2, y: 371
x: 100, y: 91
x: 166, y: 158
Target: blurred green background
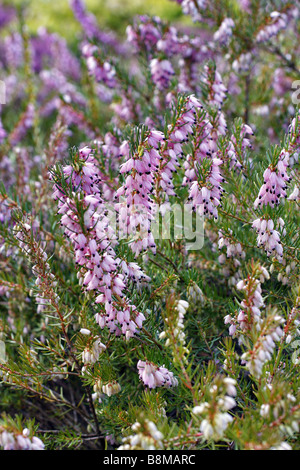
x: 111, y: 14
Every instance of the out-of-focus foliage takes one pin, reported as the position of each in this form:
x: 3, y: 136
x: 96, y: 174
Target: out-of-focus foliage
x: 111, y: 14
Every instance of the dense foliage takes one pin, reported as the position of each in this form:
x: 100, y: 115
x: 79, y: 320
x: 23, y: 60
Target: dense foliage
x: 149, y: 241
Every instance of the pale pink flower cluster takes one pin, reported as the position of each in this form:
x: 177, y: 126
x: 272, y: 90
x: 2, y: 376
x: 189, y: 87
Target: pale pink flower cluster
x: 233, y: 249
x: 275, y: 183
x: 133, y: 272
x: 108, y: 388
x: 103, y: 71
x: 174, y: 329
x: 206, y: 197
x: 146, y: 437
x: 204, y: 143
x: 195, y: 294
x: 224, y: 33
x: 145, y: 34
x: 237, y: 147
x: 293, y: 146
x: 155, y: 376
x: 172, y: 149
x: 193, y: 7
x: 249, y: 315
x: 243, y: 63
x: 91, y: 352
x: 277, y: 22
x: 294, y: 133
x: 293, y: 325
x: 136, y: 208
x: 161, y: 72
x: 217, y: 89
x: 111, y: 388
x: 214, y: 413
x: 277, y: 405
x: 45, y: 282
x: 205, y: 190
x: 274, y: 409
x: 268, y: 237
x: 20, y: 441
x: 93, y: 239
x: 263, y: 348
x: 294, y: 196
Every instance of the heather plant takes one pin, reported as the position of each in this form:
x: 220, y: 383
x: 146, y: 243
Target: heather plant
x: 116, y: 330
